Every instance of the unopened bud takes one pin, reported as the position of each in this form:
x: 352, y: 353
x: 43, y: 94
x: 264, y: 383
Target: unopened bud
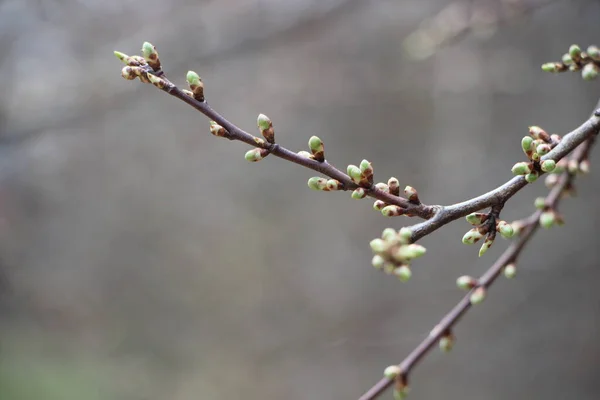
x: 366, y: 170
x: 489, y: 240
x: 551, y: 181
x: 505, y: 229
x: 412, y: 195
x: 521, y: 168
x: 378, y: 261
x: 575, y: 52
x: 316, y: 183
x: 543, y: 149
x: 378, y: 205
x: 256, y: 154
x: 472, y: 236
x: 196, y: 85
x: 379, y: 246
x: 156, y: 81
x: 594, y: 53
x: 590, y: 71
x: 540, y: 203
x: 478, y: 295
x: 217, y: 129
x: 539, y: 133
x: 392, y: 210
x: 359, y: 193
x: 548, y: 165
x: 547, y: 219
x: 354, y: 173
x: 466, y: 282
x: 446, y: 343
x: 403, y: 273
x: 394, y: 186
x: 333, y: 184
x: 532, y: 177
x: 476, y: 218
x: 405, y: 235
x: 510, y: 271
x: 317, y: 148
x: 584, y: 167
x: 151, y: 55
x: 265, y: 126
x: 392, y: 372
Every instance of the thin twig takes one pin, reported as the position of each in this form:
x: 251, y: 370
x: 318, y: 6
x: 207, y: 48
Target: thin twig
x: 530, y: 225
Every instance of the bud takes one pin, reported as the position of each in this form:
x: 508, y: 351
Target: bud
x: 521, y: 168
x: 472, y: 236
x: 317, y: 148
x: 366, y: 170
x: 265, y: 126
x: 305, y: 154
x: 379, y: 246
x: 573, y: 166
x: 377, y: 261
x: 575, y: 52
x: 389, y: 234
x: 584, y: 167
x: 551, y: 181
x: 256, y: 154
x: 400, y: 394
x: 566, y: 59
x: 590, y: 72
x: 548, y: 165
x: 478, y: 295
x: 412, y: 195
x: 359, y: 193
x: 217, y: 129
x: 505, y: 229
x: 383, y: 187
x: 517, y: 227
x: 551, y: 67
x: 510, y: 271
x: 333, y: 184
x: 403, y: 273
x: 466, y: 282
x: 354, y: 173
x: 392, y: 372
x: 532, y: 177
x: 196, y: 85
x: 392, y: 211
x: 540, y: 203
x: 188, y: 92
x: 405, y: 235
x: 446, y: 343
x: 539, y: 133
x: 151, y: 55
x: 128, y: 73
x: 394, y: 186
x: 543, y: 149
x: 378, y: 205
x: 489, y: 240
x: 526, y: 145
x: 409, y: 252
x: 476, y: 218
x: 594, y: 53
x: 547, y: 219
x: 156, y: 81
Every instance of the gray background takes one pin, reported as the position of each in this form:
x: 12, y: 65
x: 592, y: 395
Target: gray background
x: 142, y: 258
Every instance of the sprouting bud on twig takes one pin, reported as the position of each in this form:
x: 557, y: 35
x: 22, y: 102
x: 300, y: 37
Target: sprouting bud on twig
x: 506, y: 230
x: 354, y: 173
x: 554, y: 67
x: 472, y: 236
x: 575, y: 53
x: 478, y: 295
x: 408, y: 252
x: 521, y: 168
x: 476, y: 218
x: 128, y: 73
x: 378, y: 205
x: 315, y: 183
x: 590, y: 72
x: 151, y: 56
x: 593, y: 52
x: 526, y: 145
x: 392, y: 372
x: 489, y: 241
x: 412, y: 195
x: 551, y: 180
x: 446, y: 342
x: 366, y: 170
x: 132, y: 61
x: 548, y: 165
x: 317, y: 148
x: 389, y: 234
x: 540, y: 203
x: 359, y: 193
x: 394, y: 186
x: 378, y: 261
x: 547, y: 219
x: 188, y: 92
x: 196, y: 85
x: 217, y: 129
x: 305, y: 154
x: 333, y: 184
x: 510, y: 271
x: 156, y: 81
x: 532, y: 176
x: 392, y: 210
x: 543, y: 149
x: 403, y: 273
x: 584, y: 167
x: 265, y: 127
x: 379, y: 246
x: 405, y: 235
x: 400, y: 393
x: 466, y: 282
x: 383, y: 187
x: 256, y: 154
x: 539, y: 133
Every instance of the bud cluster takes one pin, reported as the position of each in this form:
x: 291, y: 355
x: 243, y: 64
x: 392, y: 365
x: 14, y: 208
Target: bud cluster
x: 588, y: 62
x: 486, y: 224
x: 393, y: 252
x: 535, y: 146
x: 139, y: 66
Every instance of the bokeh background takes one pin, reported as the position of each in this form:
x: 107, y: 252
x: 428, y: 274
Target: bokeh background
x: 142, y: 258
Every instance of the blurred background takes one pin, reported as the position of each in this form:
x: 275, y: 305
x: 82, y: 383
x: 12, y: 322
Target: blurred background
x: 142, y: 258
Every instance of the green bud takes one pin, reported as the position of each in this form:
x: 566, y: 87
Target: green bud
x: 543, y: 149
x: 550, y: 67
x: 256, y: 155
x: 573, y: 167
x: 526, y: 145
x: 547, y: 219
x: 532, y: 177
x: 566, y: 59
x: 317, y: 148
x: 121, y: 56
x: 584, y: 167
x: 594, y: 53
x: 333, y: 184
x: 505, y: 229
x: 378, y: 205
x: 535, y: 157
x: 472, y: 236
x: 446, y: 343
x: 359, y: 193
x: 466, y: 282
x: 392, y: 210
x: 217, y: 130
x: 389, y: 234
x: 400, y: 394
x: 412, y: 195
x: 392, y: 372
x: 540, y: 203
x: 378, y: 261
x: 476, y: 218
x: 383, y: 187
x: 510, y: 271
x: 193, y: 79
x: 389, y: 268
x: 478, y: 295
x: 548, y: 165
x: 575, y: 52
x: 128, y: 73
x: 379, y: 245
x: 394, y: 186
x: 405, y: 235
x: 151, y: 55
x: 521, y: 168
x: 403, y: 273
x: 486, y: 245
x: 409, y: 252
x: 156, y: 81
x: 366, y: 169
x: 263, y: 122
x: 590, y: 72
x: 354, y: 173
x: 313, y: 183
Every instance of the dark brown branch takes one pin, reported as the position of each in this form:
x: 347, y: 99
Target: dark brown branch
x: 530, y: 225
